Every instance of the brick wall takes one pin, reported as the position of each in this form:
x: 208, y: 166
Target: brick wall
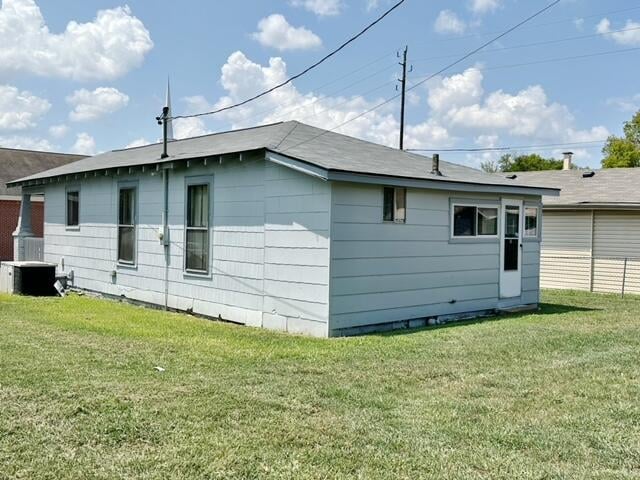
x: 9, y: 212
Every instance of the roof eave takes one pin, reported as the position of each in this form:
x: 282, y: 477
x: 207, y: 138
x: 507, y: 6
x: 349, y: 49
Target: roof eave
x: 592, y: 206
x: 439, y: 184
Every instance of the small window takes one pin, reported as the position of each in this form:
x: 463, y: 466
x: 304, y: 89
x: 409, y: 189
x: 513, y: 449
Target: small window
x: 127, y: 225
x: 473, y: 221
x: 73, y: 208
x: 197, y: 234
x: 395, y: 205
x: 531, y: 222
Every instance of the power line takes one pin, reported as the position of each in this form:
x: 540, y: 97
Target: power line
x: 547, y: 24
x: 303, y: 72
x: 536, y: 44
x: 442, y: 70
x: 505, y: 149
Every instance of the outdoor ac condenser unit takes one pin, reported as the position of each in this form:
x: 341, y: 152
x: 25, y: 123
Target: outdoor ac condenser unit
x: 28, y: 278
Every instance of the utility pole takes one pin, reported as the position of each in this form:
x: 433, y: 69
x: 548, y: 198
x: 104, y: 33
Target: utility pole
x: 403, y: 83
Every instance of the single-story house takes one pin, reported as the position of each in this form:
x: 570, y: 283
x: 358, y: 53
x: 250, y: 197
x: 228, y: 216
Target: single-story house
x: 591, y: 232
x: 293, y: 228
x: 14, y: 164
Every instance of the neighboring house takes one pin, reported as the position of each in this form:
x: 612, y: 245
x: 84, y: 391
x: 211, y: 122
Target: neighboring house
x: 590, y: 229
x: 16, y: 164
x: 293, y: 228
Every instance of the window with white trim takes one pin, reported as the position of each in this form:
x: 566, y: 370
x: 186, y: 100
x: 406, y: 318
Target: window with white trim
x: 531, y: 215
x: 127, y: 225
x: 395, y: 205
x: 197, y: 228
x: 73, y: 208
x: 474, y: 221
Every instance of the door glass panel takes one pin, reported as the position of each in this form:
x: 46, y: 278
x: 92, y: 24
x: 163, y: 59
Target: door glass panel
x: 511, y: 238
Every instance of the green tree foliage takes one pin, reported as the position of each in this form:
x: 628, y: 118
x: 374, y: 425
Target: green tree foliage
x: 624, y: 152
x: 527, y: 163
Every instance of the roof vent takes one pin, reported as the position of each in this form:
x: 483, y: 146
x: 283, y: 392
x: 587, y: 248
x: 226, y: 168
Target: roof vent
x: 567, y: 163
x: 512, y: 177
x: 435, y: 169
x: 588, y: 174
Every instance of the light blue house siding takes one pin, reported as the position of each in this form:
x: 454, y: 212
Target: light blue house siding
x: 269, y: 243
x: 288, y: 251
x: 384, y: 272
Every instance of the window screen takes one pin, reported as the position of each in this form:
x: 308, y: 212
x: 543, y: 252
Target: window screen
x: 395, y: 205
x: 197, y: 241
x: 73, y: 208
x: 127, y: 225
x: 531, y: 222
x: 487, y: 221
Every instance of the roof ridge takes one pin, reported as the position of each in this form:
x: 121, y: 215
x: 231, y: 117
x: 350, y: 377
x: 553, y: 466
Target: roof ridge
x: 46, y: 152
x: 213, y: 134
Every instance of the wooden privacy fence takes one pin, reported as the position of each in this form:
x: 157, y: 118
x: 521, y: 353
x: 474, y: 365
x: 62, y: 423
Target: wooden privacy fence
x: 34, y: 249
x: 596, y: 274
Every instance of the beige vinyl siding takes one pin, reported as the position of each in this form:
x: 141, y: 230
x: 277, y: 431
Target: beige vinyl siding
x: 565, y: 260
x: 616, y: 236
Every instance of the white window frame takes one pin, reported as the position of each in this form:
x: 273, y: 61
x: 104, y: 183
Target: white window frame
x: 128, y: 186
x: 395, y: 206
x: 190, y: 182
x: 524, y: 225
x: 476, y: 206
x: 67, y: 191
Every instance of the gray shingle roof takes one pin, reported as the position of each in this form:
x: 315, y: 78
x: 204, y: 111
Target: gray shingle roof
x: 16, y: 163
x: 612, y: 186
x: 321, y: 148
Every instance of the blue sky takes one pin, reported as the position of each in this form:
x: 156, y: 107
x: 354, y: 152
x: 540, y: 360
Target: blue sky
x: 90, y: 76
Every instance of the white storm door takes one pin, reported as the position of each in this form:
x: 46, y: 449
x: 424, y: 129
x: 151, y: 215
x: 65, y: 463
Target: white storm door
x: 511, y: 249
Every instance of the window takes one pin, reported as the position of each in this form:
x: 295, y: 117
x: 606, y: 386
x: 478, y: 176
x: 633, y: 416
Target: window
x: 531, y: 222
x: 127, y: 225
x: 73, y: 208
x: 197, y: 234
x: 475, y: 221
x: 395, y: 205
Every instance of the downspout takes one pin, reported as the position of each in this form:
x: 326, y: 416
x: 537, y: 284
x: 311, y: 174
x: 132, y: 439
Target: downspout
x: 165, y: 234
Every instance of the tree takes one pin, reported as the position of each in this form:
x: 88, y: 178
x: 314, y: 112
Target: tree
x: 623, y: 152
x: 528, y: 163
x: 490, y: 166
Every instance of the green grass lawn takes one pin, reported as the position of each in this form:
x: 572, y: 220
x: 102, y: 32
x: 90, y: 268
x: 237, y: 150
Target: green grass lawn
x: 554, y: 394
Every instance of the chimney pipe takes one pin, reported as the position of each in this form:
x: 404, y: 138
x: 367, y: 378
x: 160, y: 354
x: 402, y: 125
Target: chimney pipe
x: 568, y: 158
x: 435, y: 169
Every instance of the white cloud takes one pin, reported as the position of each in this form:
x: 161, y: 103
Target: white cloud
x: 459, y: 103
x: 626, y: 104
x: 138, y: 142
x: 20, y: 110
x: 629, y: 35
x: 449, y: 22
x: 460, y: 112
x: 579, y: 23
x: 26, y: 143
x: 58, y: 131
x: 372, y: 5
x: 274, y: 31
x: 111, y: 45
x: 241, y: 78
x: 323, y: 8
x: 189, y: 127
x: 484, y: 6
x: 90, y: 105
x: 85, y: 144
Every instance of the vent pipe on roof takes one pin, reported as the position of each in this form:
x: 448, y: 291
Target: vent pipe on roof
x: 435, y: 169
x: 568, y: 159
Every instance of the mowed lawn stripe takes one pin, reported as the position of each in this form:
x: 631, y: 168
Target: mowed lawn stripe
x: 554, y: 394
